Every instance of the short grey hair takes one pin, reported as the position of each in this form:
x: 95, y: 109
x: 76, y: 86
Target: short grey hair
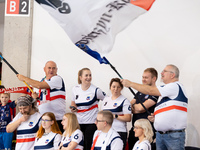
x: 175, y: 70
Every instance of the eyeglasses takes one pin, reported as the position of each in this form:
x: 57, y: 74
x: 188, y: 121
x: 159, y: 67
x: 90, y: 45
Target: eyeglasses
x: 100, y: 120
x: 137, y: 128
x: 45, y: 120
x: 167, y: 71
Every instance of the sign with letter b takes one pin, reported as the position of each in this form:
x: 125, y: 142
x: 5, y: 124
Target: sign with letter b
x: 17, y: 8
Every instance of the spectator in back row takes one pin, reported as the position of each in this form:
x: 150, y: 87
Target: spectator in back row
x: 171, y: 131
x: 85, y: 99
x: 51, y: 93
x: 149, y: 77
x: 120, y: 107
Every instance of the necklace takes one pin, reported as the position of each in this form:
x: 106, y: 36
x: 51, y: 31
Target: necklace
x: 45, y: 134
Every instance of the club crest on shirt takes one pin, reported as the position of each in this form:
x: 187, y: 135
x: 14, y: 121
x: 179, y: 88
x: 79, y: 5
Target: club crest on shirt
x: 7, y: 114
x: 146, y: 96
x: 44, y: 91
x: 88, y: 98
x: 47, y: 141
x: 30, y: 124
x: 70, y: 138
x: 115, y: 105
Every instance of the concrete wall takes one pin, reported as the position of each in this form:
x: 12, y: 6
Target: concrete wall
x: 17, y: 48
x: 2, y: 6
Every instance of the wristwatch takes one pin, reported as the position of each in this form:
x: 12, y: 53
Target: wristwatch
x: 116, y: 116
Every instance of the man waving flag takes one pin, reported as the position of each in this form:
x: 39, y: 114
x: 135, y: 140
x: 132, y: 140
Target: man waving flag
x: 93, y: 24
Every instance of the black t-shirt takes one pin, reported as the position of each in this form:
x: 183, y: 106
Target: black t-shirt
x: 143, y: 98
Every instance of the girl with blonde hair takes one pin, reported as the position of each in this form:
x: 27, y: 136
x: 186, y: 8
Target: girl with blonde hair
x: 72, y: 137
x: 85, y: 99
x: 143, y: 130
x: 48, y: 136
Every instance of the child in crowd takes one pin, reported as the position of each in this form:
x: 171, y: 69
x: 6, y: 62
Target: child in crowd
x: 143, y: 130
x: 7, y: 114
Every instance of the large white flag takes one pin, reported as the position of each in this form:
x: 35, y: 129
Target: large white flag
x: 93, y: 24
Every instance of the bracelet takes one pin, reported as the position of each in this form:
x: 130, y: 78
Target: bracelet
x: 116, y: 116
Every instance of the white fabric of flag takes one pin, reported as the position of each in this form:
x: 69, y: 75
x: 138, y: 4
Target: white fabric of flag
x: 95, y: 23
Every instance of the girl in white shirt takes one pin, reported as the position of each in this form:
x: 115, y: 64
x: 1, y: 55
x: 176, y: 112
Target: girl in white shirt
x: 72, y: 137
x: 49, y: 135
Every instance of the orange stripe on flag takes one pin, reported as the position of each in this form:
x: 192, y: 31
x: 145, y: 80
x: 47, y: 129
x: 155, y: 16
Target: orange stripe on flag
x: 25, y: 140
x: 145, y: 4
x: 170, y: 108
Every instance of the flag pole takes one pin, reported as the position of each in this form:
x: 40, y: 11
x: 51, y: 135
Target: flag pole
x: 129, y: 87
x: 11, y: 67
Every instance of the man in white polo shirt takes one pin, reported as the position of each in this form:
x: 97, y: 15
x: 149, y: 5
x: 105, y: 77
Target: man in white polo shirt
x: 170, y: 114
x: 51, y: 97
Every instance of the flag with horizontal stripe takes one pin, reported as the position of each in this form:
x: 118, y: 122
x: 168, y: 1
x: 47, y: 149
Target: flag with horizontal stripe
x: 93, y: 24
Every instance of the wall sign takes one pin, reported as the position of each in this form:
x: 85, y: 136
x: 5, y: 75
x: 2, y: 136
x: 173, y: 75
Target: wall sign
x: 17, y: 8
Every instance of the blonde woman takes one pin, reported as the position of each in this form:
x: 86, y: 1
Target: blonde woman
x: 72, y: 137
x: 84, y: 102
x: 49, y: 135
x: 143, y: 130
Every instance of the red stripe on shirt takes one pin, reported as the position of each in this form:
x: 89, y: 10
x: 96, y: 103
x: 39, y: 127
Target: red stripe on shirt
x: 84, y: 110
x: 170, y: 108
x: 56, y: 97
x: 25, y: 140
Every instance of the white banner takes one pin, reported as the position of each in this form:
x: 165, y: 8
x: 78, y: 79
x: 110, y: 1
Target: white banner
x: 95, y: 23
